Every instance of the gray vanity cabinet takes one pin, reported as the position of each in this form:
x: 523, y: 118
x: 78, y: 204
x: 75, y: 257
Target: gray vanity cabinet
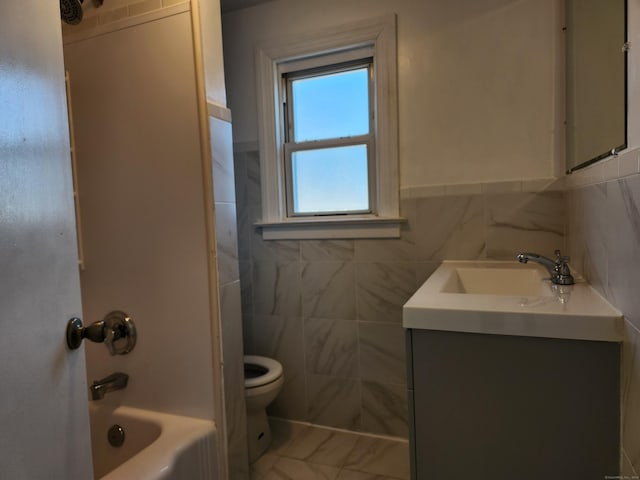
x: 512, y: 407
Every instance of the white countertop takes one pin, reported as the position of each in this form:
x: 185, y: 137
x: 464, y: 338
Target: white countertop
x: 576, y: 312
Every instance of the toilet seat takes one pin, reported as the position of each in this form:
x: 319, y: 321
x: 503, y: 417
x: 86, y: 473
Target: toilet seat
x: 273, y: 367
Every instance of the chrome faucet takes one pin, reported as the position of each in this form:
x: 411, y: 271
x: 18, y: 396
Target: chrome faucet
x: 115, y: 381
x: 558, y: 269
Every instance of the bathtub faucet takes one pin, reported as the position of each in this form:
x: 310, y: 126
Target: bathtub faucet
x: 115, y: 381
x: 558, y: 269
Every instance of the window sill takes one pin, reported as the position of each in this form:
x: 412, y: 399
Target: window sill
x: 324, y: 228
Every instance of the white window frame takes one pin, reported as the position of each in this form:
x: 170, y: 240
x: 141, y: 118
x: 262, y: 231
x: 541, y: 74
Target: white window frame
x: 332, y: 62
x: 378, y: 37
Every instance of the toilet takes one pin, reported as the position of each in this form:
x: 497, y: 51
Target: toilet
x: 263, y: 379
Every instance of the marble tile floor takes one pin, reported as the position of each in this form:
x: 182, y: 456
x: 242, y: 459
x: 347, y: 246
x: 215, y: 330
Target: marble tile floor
x: 307, y: 452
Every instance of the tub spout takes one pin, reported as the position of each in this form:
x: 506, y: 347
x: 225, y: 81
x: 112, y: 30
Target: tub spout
x: 115, y: 381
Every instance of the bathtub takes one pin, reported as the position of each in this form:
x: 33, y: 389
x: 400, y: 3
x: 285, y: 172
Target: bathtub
x: 157, y: 446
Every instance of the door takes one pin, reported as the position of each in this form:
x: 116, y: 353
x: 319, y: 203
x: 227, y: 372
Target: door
x: 44, y: 431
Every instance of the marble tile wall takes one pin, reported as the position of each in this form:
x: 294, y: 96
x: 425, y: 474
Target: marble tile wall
x: 331, y: 311
x: 229, y: 294
x: 603, y: 238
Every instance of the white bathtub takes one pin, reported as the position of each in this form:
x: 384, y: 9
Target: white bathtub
x: 157, y: 446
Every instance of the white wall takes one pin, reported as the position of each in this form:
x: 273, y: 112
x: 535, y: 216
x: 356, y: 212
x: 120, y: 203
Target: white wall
x: 477, y: 81
x: 143, y: 218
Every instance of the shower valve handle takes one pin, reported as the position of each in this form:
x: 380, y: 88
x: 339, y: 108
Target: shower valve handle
x: 120, y: 333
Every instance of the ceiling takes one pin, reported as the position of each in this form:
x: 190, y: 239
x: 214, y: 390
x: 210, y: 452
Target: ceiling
x: 231, y: 5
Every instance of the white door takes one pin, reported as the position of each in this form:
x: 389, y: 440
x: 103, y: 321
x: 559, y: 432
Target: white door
x: 44, y: 431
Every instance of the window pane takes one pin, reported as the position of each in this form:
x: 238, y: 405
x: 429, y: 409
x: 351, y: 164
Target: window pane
x: 330, y: 180
x: 331, y: 106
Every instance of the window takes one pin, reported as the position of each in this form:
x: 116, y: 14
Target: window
x: 328, y: 139
x: 328, y: 133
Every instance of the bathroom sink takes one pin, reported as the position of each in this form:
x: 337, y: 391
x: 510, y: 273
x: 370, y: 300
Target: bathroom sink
x: 498, y: 281
x: 510, y: 298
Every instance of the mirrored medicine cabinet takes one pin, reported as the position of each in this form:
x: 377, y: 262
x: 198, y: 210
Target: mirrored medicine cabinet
x: 596, y: 80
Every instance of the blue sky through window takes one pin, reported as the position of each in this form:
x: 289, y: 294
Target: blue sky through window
x: 330, y: 106
x: 330, y: 179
